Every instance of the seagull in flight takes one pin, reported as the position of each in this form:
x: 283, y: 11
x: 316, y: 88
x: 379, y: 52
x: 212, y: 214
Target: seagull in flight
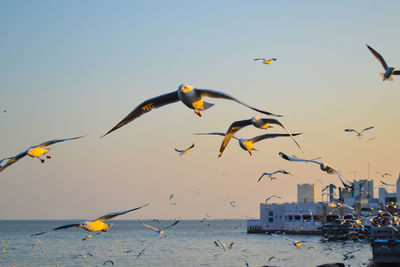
x: 324, y: 167
x: 268, y: 198
x: 262, y: 123
x: 248, y: 144
x: 188, y: 95
x: 162, y: 230
x: 295, y: 243
x: 34, y: 152
x: 389, y: 71
x: 272, y: 173
x: 233, y: 203
x: 386, y: 184
x: 183, y: 152
x: 95, y: 225
x: 266, y: 61
x: 359, y: 134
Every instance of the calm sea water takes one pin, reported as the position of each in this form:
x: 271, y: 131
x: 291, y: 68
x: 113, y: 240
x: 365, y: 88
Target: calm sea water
x: 190, y: 243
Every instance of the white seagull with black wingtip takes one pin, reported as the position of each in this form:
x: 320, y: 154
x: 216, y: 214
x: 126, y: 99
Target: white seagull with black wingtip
x: 248, y: 144
x: 266, y: 61
x: 183, y: 152
x: 95, y: 225
x: 389, y: 71
x: 261, y: 123
x: 324, y: 167
x: 359, y: 134
x: 34, y: 152
x: 188, y: 95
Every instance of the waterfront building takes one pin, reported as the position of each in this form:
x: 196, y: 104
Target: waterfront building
x: 306, y: 193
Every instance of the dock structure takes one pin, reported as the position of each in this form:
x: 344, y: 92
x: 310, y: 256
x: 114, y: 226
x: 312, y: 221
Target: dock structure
x: 385, y: 244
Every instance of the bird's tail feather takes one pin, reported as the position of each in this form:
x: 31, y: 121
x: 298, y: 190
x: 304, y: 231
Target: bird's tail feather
x: 207, y: 105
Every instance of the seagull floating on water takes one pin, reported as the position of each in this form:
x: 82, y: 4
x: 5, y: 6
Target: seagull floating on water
x: 183, y: 152
x: 272, y: 173
x: 266, y: 61
x: 248, y: 144
x: 324, y: 167
x: 389, y: 71
x: 262, y: 123
x: 359, y: 134
x: 188, y: 95
x: 95, y: 225
x: 34, y: 152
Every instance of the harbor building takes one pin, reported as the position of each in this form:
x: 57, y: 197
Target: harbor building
x: 307, y: 215
x: 306, y: 193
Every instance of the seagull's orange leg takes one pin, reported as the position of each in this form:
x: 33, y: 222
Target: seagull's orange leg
x: 41, y: 160
x: 197, y: 112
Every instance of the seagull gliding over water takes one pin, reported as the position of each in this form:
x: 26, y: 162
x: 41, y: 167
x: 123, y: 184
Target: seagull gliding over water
x: 95, y: 225
x: 188, y: 95
x: 162, y: 230
x: 34, y: 152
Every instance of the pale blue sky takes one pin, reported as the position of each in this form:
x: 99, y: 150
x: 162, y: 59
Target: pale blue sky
x: 70, y: 68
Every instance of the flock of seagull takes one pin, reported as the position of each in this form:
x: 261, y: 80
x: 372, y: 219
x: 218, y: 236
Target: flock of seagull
x: 193, y: 98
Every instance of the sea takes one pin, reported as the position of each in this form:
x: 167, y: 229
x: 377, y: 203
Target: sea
x: 189, y: 243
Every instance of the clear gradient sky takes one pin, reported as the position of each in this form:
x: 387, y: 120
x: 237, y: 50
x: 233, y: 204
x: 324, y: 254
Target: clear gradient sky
x: 71, y: 68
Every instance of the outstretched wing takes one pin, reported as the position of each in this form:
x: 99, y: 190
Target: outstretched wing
x: 368, y: 128
x: 347, y: 184
x: 150, y: 227
x: 275, y: 121
x: 175, y: 223
x: 284, y: 156
x: 235, y: 126
x: 267, y: 136
x: 351, y: 130
x: 262, y: 175
x: 50, y: 142
x: 213, y: 133
x: 216, y: 94
x: 396, y: 72
x: 378, y: 57
x: 192, y: 146
x: 147, y: 106
x: 283, y: 171
x: 115, y: 214
x: 59, y: 228
x: 12, y: 160
x: 178, y: 150
x: 259, y: 59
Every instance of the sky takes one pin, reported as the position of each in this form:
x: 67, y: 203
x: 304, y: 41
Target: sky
x: 72, y: 68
